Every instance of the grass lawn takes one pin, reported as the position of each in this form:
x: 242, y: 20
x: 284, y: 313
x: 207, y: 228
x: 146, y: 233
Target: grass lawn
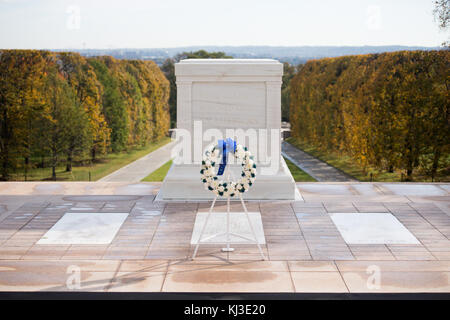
x: 350, y: 166
x: 160, y: 173
x: 98, y: 170
x: 298, y: 174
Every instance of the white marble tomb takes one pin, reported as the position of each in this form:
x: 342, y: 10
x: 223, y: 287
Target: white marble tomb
x: 230, y: 94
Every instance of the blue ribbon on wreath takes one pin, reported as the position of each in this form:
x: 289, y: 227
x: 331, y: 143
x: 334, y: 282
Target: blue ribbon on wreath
x: 228, y: 145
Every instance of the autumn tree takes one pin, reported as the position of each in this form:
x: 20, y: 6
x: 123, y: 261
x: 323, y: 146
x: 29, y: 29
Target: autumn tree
x: 82, y: 78
x: 387, y: 111
x: 442, y: 15
x: 288, y: 74
x: 62, y: 107
x: 78, y: 133
x: 21, y: 78
x: 62, y: 112
x: 112, y: 101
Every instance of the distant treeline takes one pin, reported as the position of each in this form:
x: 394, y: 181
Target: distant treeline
x: 389, y: 111
x: 61, y: 105
x: 293, y: 55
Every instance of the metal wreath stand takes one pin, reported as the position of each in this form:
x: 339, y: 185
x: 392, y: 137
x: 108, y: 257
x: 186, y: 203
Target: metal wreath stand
x: 227, y: 232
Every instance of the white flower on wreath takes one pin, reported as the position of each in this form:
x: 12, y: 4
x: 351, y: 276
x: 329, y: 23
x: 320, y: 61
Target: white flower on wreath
x: 231, y: 188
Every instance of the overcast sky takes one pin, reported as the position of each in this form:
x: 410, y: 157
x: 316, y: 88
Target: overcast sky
x: 78, y: 24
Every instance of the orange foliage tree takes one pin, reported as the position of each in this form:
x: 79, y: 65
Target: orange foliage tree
x: 389, y: 111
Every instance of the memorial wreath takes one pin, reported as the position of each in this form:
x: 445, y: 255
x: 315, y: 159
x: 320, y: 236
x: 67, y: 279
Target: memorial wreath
x: 227, y: 188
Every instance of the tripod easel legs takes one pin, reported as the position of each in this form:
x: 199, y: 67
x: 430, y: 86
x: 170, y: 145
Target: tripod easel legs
x: 228, y: 233
x: 251, y: 228
x: 204, y: 227
x: 228, y: 249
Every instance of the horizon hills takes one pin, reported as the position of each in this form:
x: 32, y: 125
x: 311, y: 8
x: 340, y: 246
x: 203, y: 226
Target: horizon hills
x: 291, y: 54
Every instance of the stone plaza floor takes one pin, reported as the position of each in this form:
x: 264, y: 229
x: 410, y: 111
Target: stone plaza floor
x: 305, y: 250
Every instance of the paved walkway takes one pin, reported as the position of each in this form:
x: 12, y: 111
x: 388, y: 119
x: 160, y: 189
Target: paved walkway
x: 316, y: 168
x: 150, y: 252
x: 139, y: 169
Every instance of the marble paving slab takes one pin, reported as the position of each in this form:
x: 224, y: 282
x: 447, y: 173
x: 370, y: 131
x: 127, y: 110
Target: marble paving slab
x: 366, y: 189
x: 84, y: 228
x: 415, y: 189
x: 325, y: 189
x: 372, y: 228
x: 238, y: 224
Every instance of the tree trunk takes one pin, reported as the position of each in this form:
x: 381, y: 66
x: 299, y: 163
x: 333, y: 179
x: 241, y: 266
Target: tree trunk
x: 27, y: 162
x: 409, y: 163
x: 409, y: 172
x: 69, y: 162
x: 93, y: 154
x: 5, y: 161
x: 5, y: 149
x: 54, y: 161
x: 5, y: 174
x: 437, y: 155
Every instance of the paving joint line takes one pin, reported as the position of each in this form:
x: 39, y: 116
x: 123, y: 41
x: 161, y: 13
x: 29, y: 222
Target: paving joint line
x: 418, y: 239
x: 165, y: 276
x: 156, y: 229
x: 341, y: 276
x: 390, y: 251
x: 303, y: 234
x: 110, y: 283
x: 418, y: 212
x: 290, y: 276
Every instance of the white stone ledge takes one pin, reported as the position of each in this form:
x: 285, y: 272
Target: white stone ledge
x: 228, y: 68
